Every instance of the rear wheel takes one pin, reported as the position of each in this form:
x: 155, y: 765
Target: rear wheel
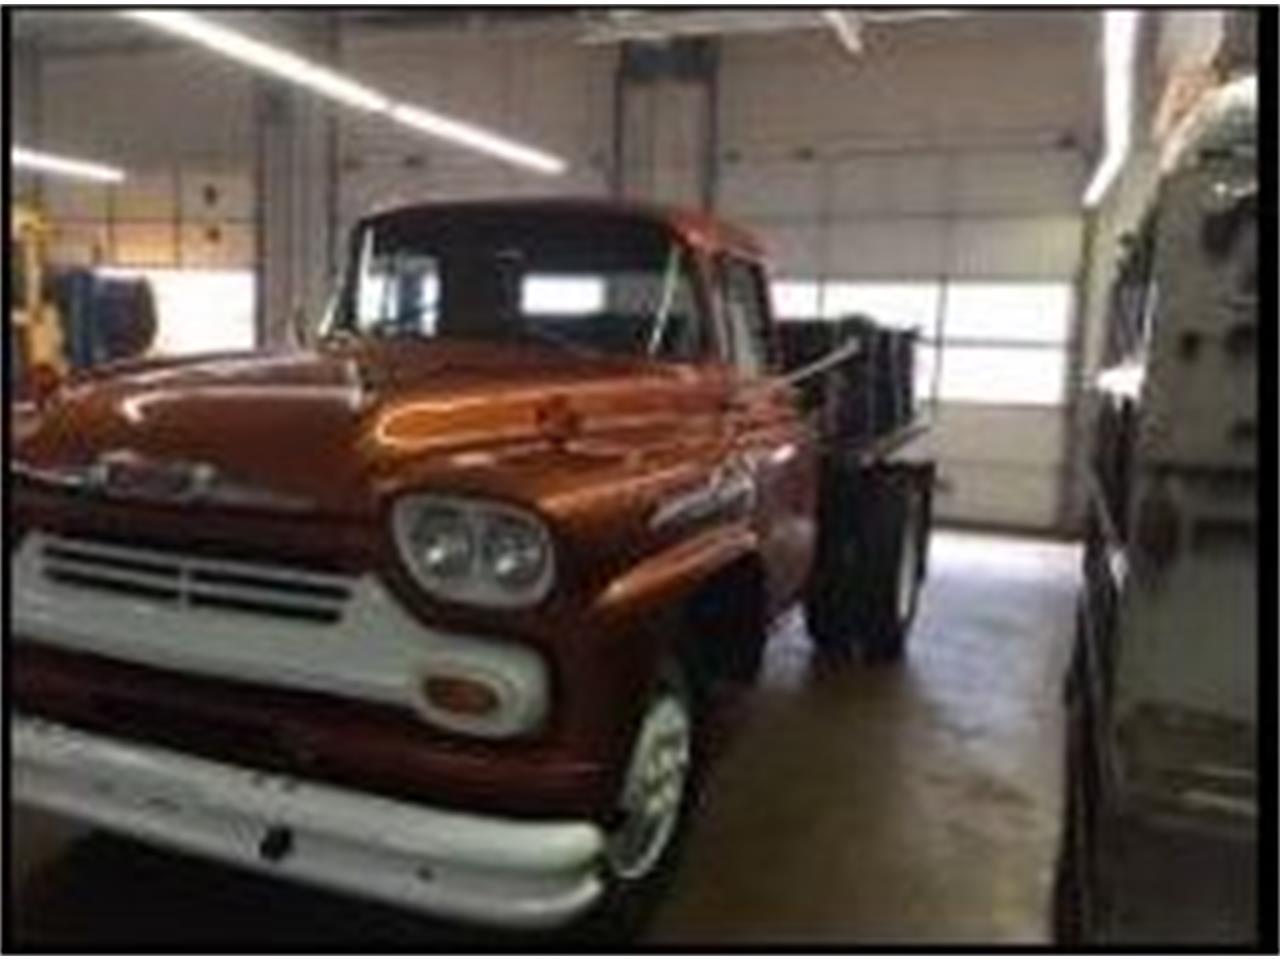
x: 830, y: 607
x: 891, y: 588
x: 866, y: 587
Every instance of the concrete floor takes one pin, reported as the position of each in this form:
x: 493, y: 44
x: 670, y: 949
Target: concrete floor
x: 914, y: 803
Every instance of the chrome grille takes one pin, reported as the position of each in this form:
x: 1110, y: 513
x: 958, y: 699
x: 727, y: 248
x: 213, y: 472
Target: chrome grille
x: 195, y: 582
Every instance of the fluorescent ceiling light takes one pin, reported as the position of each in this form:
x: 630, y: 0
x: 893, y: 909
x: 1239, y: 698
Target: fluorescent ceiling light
x: 1119, y: 47
x: 320, y: 79
x: 25, y: 159
x: 263, y: 56
x: 477, y: 138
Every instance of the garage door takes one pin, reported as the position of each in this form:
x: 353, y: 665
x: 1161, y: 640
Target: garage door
x: 977, y: 249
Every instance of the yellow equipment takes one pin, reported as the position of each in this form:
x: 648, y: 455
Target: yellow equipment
x: 35, y: 327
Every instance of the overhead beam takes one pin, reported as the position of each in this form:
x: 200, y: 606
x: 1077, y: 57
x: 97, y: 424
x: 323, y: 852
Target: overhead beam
x: 619, y: 26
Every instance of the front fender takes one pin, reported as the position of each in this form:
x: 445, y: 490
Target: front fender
x: 606, y: 667
x: 665, y: 578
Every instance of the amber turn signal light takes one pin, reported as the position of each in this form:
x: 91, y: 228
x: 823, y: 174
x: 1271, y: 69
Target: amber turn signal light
x: 460, y: 695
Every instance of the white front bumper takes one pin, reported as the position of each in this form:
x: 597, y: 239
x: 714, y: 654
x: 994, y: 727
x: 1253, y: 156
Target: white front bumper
x: 483, y: 869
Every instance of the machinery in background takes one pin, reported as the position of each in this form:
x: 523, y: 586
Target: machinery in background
x: 35, y: 327
x: 67, y: 319
x: 107, y: 318
x: 1159, y: 841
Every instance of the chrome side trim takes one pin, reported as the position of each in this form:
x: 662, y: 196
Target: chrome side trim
x: 728, y: 490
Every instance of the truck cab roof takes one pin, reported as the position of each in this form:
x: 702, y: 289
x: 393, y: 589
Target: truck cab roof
x: 695, y: 228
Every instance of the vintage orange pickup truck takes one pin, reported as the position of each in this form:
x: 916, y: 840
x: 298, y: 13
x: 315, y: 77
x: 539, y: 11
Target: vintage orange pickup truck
x: 430, y: 609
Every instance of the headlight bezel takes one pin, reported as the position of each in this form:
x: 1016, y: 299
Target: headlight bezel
x: 477, y: 586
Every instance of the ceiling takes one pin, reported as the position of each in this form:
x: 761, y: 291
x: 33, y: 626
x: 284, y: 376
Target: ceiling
x: 68, y: 31
x: 54, y: 31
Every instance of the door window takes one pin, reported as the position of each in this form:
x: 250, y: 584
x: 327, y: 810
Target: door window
x: 746, y: 317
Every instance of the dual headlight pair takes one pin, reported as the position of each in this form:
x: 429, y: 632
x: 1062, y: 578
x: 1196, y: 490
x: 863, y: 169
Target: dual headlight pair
x: 473, y: 551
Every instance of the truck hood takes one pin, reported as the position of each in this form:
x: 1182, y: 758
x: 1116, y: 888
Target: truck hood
x: 328, y: 429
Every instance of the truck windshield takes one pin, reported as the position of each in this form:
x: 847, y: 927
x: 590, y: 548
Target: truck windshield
x: 579, y: 282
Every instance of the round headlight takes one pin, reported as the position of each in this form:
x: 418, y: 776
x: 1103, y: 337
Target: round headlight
x: 514, y: 552
x: 473, y: 551
x: 443, y: 542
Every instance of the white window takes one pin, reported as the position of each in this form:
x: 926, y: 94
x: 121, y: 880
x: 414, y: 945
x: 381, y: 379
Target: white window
x: 1009, y: 312
x: 906, y: 306
x: 926, y: 368
x: 795, y: 299
x: 1002, y: 343
x: 903, y: 306
x: 199, y: 311
x: 1006, y: 343
x: 562, y: 295
x: 1002, y: 375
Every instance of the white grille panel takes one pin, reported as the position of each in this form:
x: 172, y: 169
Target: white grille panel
x: 191, y: 581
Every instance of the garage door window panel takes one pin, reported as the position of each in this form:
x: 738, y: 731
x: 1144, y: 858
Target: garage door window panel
x: 1005, y: 343
x: 903, y: 306
x: 1009, y: 312
x: 796, y: 299
x: 1002, y: 375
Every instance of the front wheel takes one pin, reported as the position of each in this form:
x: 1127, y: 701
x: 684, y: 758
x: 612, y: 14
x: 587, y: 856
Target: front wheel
x: 653, y: 808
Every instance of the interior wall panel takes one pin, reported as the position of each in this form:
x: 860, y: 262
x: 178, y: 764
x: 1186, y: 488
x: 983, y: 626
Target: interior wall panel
x: 1029, y: 248
x: 990, y: 493
x: 904, y: 183
x: 766, y: 192
x: 536, y: 85
x: 180, y: 123
x: 1026, y: 436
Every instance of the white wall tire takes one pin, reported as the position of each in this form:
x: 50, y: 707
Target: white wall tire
x: 656, y: 796
x: 653, y: 790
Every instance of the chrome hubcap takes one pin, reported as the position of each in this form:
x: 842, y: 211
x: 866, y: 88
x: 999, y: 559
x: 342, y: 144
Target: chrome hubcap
x: 653, y: 790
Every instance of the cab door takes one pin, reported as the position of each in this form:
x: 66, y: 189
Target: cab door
x: 772, y: 442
